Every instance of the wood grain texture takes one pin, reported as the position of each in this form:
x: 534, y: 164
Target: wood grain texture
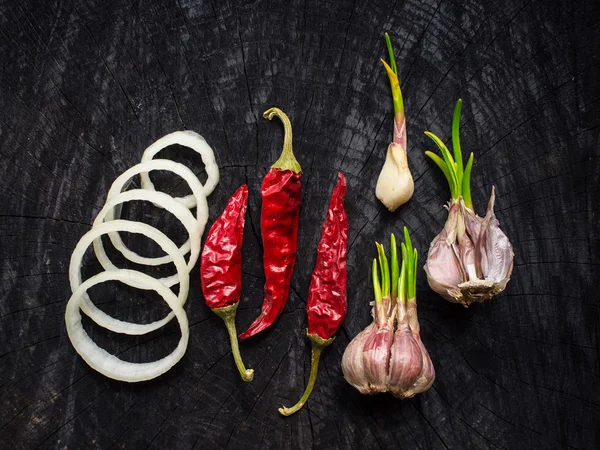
x: 86, y: 86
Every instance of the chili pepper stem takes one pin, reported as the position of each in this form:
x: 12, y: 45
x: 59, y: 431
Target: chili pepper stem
x: 287, y: 160
x: 318, y: 344
x: 227, y: 313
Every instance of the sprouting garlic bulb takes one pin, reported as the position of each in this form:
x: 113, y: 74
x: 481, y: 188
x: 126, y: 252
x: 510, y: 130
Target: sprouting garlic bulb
x: 388, y: 355
x: 395, y: 184
x: 471, y: 260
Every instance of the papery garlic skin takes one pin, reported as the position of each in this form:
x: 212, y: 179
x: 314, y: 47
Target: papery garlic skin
x: 395, y: 185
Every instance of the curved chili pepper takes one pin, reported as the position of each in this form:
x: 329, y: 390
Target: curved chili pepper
x: 281, y: 191
x: 221, y: 270
x: 326, y: 305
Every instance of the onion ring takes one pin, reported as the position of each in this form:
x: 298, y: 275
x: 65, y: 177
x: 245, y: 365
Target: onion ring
x: 102, y: 361
x: 99, y: 316
x: 197, y: 143
x: 197, y: 193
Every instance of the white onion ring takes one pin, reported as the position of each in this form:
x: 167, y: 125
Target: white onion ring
x: 102, y: 361
x: 197, y: 194
x: 99, y: 316
x: 197, y: 143
x: 162, y: 200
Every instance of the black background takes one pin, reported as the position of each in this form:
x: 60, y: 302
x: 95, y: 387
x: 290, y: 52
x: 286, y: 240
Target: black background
x: 86, y: 86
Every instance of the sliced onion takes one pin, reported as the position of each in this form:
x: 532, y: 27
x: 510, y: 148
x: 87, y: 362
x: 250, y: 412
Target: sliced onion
x: 197, y: 194
x: 99, y: 316
x: 108, y: 222
x: 102, y: 361
x: 199, y: 145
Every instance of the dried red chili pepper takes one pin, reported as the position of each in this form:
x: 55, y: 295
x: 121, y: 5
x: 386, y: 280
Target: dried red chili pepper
x: 281, y: 191
x: 326, y: 305
x: 221, y: 270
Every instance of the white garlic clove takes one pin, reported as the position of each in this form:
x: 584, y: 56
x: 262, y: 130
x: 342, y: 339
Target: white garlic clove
x: 395, y: 184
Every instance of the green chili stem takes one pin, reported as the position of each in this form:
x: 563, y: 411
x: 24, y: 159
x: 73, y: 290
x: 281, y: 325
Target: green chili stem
x: 395, y: 270
x: 227, y: 313
x: 376, y: 286
x: 318, y: 344
x: 466, y: 183
x: 287, y: 160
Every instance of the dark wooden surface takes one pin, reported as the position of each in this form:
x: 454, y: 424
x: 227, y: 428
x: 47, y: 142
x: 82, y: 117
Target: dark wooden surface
x: 86, y: 86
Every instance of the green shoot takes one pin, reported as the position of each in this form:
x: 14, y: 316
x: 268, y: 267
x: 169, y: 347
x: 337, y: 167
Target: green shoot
x: 395, y: 272
x: 392, y: 73
x: 454, y: 186
x: 414, y: 280
x: 410, y: 266
x: 376, y: 285
x: 456, y: 140
x: 385, y: 271
x: 466, y: 183
x: 388, y: 42
x: 458, y: 176
x: 402, y: 282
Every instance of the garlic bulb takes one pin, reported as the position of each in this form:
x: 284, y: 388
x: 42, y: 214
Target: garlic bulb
x: 388, y: 355
x: 395, y: 184
x: 471, y: 260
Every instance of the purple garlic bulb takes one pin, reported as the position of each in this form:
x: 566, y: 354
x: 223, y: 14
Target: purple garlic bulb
x: 388, y: 355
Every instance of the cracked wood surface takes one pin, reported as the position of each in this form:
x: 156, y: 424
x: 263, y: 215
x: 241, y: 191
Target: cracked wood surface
x: 86, y: 86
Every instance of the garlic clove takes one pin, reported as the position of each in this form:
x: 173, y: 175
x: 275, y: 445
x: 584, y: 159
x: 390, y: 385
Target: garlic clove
x: 498, y: 264
x: 376, y: 358
x: 352, y: 361
x: 395, y: 184
x: 468, y: 258
x: 406, y: 362
x: 427, y: 376
x: 443, y: 269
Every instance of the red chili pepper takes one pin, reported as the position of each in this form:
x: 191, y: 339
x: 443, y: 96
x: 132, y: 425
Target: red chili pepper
x: 281, y: 192
x: 221, y: 270
x: 326, y: 305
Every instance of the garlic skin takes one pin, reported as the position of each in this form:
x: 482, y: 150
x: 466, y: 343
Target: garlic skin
x: 395, y: 184
x: 471, y: 260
